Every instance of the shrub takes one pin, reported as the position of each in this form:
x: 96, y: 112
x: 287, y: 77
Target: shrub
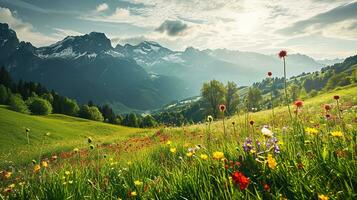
x: 70, y: 107
x: 4, y: 94
x: 39, y: 106
x: 90, y: 112
x: 18, y: 104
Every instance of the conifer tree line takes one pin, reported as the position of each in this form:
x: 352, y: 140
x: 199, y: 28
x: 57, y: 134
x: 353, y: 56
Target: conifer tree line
x: 34, y: 98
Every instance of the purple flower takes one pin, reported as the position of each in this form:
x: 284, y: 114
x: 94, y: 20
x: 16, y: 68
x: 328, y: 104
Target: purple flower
x: 247, y: 145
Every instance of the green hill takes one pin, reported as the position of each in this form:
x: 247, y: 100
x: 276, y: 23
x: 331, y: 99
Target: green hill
x: 66, y: 133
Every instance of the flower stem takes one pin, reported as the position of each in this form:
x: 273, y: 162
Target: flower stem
x: 286, y: 91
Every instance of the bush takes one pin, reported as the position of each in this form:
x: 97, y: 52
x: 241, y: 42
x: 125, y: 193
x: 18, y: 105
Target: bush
x: 18, y: 104
x: 148, y: 121
x: 70, y: 107
x: 39, y: 106
x: 90, y: 112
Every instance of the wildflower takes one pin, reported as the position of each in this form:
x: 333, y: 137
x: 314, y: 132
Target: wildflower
x: 168, y: 142
x: 133, y: 194
x: 70, y: 181
x: 209, y: 118
x: 271, y: 162
x: 323, y: 197
x: 90, y: 140
x: 91, y: 146
x: 251, y: 122
x: 218, y: 155
x: 266, y: 132
x: 33, y: 161
x: 67, y: 173
x: 299, y: 103
x: 75, y: 150
x: 44, y: 164
x: 189, y: 154
x: 138, y: 183
x: 336, y: 97
x: 173, y: 150
x: 269, y: 74
x: 7, y: 174
x: 240, y: 179
x: 54, y: 157
x: 282, y: 54
x: 233, y: 123
x: 311, y: 131
x: 327, y: 107
x: 27, y: 130
x: 336, y: 133
x: 247, y: 145
x: 266, y: 187
x: 222, y: 107
x: 37, y: 168
x: 48, y: 134
x: 204, y: 156
x: 129, y: 163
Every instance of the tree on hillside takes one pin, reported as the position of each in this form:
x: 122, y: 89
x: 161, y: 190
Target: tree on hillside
x: 232, y: 98
x: 5, y: 94
x: 70, y: 107
x: 131, y: 120
x: 294, y: 91
x: 108, y: 113
x: 18, y: 104
x: 39, y: 106
x: 340, y: 79
x: 90, y: 112
x: 354, y: 75
x: 253, y: 98
x: 5, y: 78
x: 148, y: 121
x: 213, y: 94
x: 48, y: 97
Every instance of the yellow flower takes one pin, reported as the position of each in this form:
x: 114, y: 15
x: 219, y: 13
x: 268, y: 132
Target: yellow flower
x: 209, y: 118
x: 336, y: 133
x: 129, y: 163
x: 138, y: 183
x: 311, y: 131
x: 12, y: 186
x: 168, y: 142
x: 189, y: 154
x: 67, y: 173
x: 75, y: 150
x: 44, y: 164
x: 280, y: 143
x: 323, y: 197
x: 37, y: 168
x: 186, y: 145
x: 133, y: 193
x: 218, y: 155
x: 204, y: 156
x: 8, y: 174
x: 271, y: 162
x: 173, y: 150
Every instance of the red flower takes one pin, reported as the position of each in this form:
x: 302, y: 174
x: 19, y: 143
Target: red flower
x: 269, y: 74
x: 299, y: 103
x: 240, y: 179
x: 266, y: 187
x: 282, y: 54
x: 251, y: 122
x: 328, y: 116
x: 336, y: 97
x: 327, y: 107
x: 222, y: 107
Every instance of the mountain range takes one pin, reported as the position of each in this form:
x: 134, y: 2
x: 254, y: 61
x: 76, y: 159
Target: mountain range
x: 135, y: 77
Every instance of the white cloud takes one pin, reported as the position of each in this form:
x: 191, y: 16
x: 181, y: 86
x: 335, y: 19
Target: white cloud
x: 62, y: 33
x: 102, y: 7
x: 24, y: 31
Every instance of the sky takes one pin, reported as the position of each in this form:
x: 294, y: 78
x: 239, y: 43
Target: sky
x: 318, y: 28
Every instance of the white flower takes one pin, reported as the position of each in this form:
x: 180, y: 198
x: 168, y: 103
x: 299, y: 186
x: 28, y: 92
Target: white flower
x: 266, y: 132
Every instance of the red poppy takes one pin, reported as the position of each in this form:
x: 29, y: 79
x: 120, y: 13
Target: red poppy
x: 282, y: 54
x: 336, y: 97
x: 269, y: 74
x: 266, y: 187
x: 240, y: 179
x: 251, y: 122
x: 327, y: 107
x: 222, y: 107
x: 299, y: 103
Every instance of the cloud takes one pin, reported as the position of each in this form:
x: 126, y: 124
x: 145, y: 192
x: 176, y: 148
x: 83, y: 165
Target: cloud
x: 62, y: 33
x: 25, y: 31
x: 322, y: 20
x: 172, y: 27
x: 102, y: 7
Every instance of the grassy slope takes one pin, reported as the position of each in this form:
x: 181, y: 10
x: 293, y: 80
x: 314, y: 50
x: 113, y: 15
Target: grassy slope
x: 65, y: 133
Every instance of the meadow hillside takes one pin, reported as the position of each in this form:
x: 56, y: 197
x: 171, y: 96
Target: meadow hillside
x: 63, y: 134
x: 309, y: 156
